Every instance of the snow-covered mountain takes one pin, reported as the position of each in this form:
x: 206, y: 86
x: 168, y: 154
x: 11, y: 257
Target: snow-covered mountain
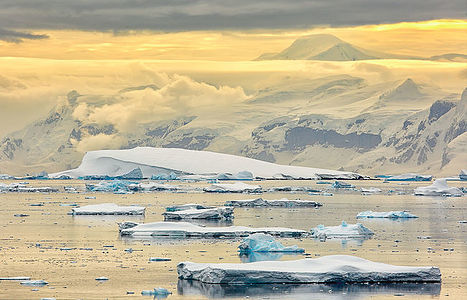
x: 335, y: 122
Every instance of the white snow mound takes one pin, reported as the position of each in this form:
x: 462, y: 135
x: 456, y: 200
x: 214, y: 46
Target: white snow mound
x: 154, y: 161
x: 327, y: 269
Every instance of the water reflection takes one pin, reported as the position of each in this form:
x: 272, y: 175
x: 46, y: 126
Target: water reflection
x: 305, y: 291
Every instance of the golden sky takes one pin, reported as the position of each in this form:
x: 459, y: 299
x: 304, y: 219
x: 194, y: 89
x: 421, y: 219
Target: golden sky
x: 423, y: 39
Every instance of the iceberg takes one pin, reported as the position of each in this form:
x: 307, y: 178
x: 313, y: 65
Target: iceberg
x: 116, y: 186
x: 188, y: 230
x: 260, y: 242
x: 342, y: 231
x: 187, y: 206
x: 371, y: 190
x: 244, y: 175
x: 151, y: 187
x: 108, y: 209
x: 388, y: 214
x: 154, y: 161
x: 34, y: 282
x: 463, y: 175
x: 217, y: 213
x: 342, y: 185
x: 284, y: 202
x: 326, y: 269
x: 23, y: 188
x: 157, y: 292
x: 409, y: 177
x: 238, y: 187
x: 438, y: 188
x: 6, y: 177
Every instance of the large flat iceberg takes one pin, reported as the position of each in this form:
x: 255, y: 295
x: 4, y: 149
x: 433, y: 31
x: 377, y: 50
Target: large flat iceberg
x: 342, y: 231
x: 188, y: 230
x: 217, y: 213
x: 153, y: 161
x: 284, y: 202
x: 327, y: 269
x: 438, y: 188
x: 187, y: 206
x: 108, y: 209
x: 385, y: 214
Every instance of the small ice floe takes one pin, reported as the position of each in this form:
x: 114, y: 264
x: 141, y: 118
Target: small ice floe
x: 68, y: 204
x: 152, y: 187
x: 409, y: 177
x: 284, y: 202
x: 90, y: 197
x: 342, y: 185
x: 159, y: 259
x: 189, y: 230
x: 36, y: 204
x: 218, y: 213
x: 462, y: 222
x: 342, y: 231
x: 326, y: 269
x: 238, y: 187
x: 102, y: 278
x: 260, y: 242
x: 371, y: 190
x: 48, y: 299
x: 438, y: 188
x: 23, y: 188
x: 34, y: 282
x: 17, y: 278
x: 108, y: 209
x: 161, y: 292
x: 386, y: 214
x: 21, y: 215
x: 115, y: 186
x: 187, y: 206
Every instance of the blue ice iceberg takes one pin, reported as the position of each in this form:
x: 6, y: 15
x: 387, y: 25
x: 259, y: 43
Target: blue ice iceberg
x: 115, y: 186
x: 158, y: 292
x: 342, y: 185
x: 260, y: 242
x: 410, y: 177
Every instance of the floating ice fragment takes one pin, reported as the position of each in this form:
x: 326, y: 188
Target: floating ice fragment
x: 218, y: 213
x: 327, y: 269
x: 342, y: 231
x: 18, y: 278
x: 260, y: 242
x: 389, y: 215
x: 342, y: 185
x: 159, y: 259
x: 409, y: 177
x: 108, y: 209
x: 34, y: 282
x: 438, y: 188
x: 102, y: 278
x: 284, y: 202
x: 238, y: 187
x: 156, y: 292
x: 187, y: 206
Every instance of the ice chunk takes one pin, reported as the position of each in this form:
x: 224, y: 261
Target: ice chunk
x: 17, y: 278
x: 133, y: 174
x: 371, y: 190
x: 224, y: 213
x: 23, y: 188
x: 34, y: 282
x: 156, y: 292
x: 188, y: 230
x: 187, y: 206
x: 151, y: 187
x: 164, y: 176
x: 102, y: 278
x: 388, y: 214
x: 260, y: 242
x: 463, y: 175
x: 438, y: 188
x: 159, y: 259
x: 410, y: 177
x: 243, y: 175
x: 342, y: 231
x: 5, y: 177
x: 284, y: 202
x: 342, y: 185
x: 238, y: 187
x: 108, y: 209
x: 327, y: 269
x: 109, y: 186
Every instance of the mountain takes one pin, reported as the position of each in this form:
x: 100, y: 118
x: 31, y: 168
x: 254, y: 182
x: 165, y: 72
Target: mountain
x: 324, y: 47
x: 334, y: 122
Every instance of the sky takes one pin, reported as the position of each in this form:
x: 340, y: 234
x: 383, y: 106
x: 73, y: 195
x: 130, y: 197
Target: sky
x: 49, y: 47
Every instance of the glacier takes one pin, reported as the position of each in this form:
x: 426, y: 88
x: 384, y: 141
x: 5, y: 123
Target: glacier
x: 188, y: 230
x: 388, y: 214
x: 284, y: 202
x: 153, y: 161
x: 260, y: 242
x: 108, y: 209
x: 342, y: 231
x: 326, y: 269
x: 438, y: 188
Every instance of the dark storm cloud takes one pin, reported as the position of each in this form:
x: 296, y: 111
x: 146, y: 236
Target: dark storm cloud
x: 17, y: 37
x: 185, y: 15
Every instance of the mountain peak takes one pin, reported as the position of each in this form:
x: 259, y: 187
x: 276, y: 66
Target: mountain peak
x: 406, y: 90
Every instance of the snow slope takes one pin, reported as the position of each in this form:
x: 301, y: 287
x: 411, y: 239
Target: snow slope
x: 152, y: 161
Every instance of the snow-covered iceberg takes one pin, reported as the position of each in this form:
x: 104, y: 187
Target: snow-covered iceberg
x: 153, y: 161
x: 217, y: 213
x: 188, y: 230
x: 108, y: 209
x: 260, y: 242
x: 244, y: 175
x: 327, y: 269
x: 238, y: 187
x: 284, y: 202
x: 409, y: 177
x: 438, y: 188
x: 386, y: 214
x: 187, y: 206
x: 342, y: 231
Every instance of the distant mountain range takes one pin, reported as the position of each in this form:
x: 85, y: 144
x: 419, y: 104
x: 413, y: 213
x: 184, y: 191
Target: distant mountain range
x: 330, y: 48
x: 335, y: 122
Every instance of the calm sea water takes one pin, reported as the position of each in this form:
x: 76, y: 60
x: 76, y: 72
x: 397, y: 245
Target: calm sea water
x: 70, y: 252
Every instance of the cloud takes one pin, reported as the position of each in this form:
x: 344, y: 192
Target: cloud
x: 17, y: 37
x: 187, y: 15
x: 99, y: 142
x: 181, y: 96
